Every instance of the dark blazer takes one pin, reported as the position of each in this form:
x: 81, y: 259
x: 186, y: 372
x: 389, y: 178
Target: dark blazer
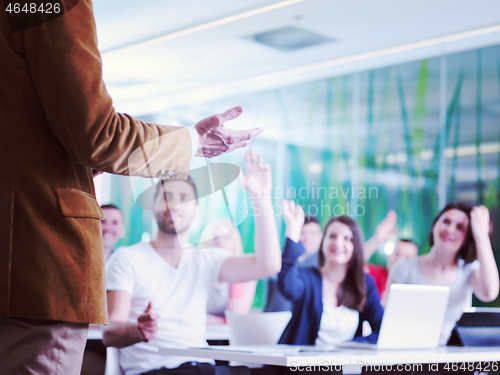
x: 276, y: 301
x: 304, y: 287
x: 57, y: 122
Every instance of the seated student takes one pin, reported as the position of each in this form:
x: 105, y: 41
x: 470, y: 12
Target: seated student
x: 330, y: 303
x: 404, y: 249
x: 157, y: 292
x: 112, y: 228
x: 310, y: 237
x: 235, y: 297
x: 460, y: 257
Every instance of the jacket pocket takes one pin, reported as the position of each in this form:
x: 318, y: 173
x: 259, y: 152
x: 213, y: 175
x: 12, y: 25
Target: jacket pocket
x: 75, y: 203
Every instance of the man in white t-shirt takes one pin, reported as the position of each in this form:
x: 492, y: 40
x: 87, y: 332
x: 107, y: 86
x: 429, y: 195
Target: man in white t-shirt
x: 157, y: 292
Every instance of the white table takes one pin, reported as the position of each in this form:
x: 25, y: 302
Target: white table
x: 214, y: 332
x: 348, y: 360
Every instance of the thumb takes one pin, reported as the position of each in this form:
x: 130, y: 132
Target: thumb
x: 148, y: 309
x: 205, y: 125
x: 230, y: 114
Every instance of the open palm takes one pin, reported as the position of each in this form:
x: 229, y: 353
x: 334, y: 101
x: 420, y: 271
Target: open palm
x: 257, y: 179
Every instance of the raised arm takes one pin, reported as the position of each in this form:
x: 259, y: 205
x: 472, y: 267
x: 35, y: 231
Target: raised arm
x: 120, y: 333
x: 290, y: 283
x: 384, y: 231
x: 266, y: 260
x: 484, y: 280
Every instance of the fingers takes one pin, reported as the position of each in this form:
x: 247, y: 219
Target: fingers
x: 253, y: 160
x: 291, y: 209
x: 480, y: 211
x: 481, y: 214
x: 252, y: 155
x: 230, y: 114
x: 250, y: 159
x: 148, y: 316
x: 286, y: 206
x: 260, y: 162
x: 241, y: 138
x: 219, y: 119
x: 236, y: 136
x: 480, y: 221
x: 392, y: 216
x: 222, y: 140
x: 147, y: 330
x: 147, y: 323
x: 300, y: 211
x: 144, y: 318
x: 208, y: 123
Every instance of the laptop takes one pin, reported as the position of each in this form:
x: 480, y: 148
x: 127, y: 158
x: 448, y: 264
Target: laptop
x: 413, y: 318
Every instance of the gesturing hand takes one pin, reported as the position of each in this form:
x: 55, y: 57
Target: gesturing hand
x: 480, y: 221
x: 387, y: 227
x: 257, y: 180
x: 293, y: 215
x: 147, y: 325
x: 216, y: 140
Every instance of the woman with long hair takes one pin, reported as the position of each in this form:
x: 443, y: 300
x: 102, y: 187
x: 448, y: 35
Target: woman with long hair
x: 460, y: 257
x: 236, y: 297
x: 331, y: 303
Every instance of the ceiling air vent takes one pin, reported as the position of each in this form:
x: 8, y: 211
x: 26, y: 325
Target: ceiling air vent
x: 289, y: 38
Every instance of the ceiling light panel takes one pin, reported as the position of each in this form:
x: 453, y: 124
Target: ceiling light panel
x: 289, y: 38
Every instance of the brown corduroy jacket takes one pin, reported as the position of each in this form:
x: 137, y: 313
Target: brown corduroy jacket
x: 57, y: 122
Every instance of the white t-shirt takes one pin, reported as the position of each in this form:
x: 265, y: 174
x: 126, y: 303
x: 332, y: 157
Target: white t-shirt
x: 179, y: 295
x: 338, y: 324
x: 218, y: 298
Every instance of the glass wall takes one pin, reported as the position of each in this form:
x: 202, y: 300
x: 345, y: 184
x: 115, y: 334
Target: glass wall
x: 408, y: 137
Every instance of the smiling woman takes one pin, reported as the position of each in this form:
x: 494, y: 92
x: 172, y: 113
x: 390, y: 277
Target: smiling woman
x: 460, y: 257
x: 331, y: 303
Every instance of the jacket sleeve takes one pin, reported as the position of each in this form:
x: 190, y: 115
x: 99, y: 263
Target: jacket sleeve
x: 66, y: 71
x: 290, y: 279
x: 372, y: 312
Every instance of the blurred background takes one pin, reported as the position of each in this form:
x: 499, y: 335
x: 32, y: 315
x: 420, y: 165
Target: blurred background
x: 367, y: 105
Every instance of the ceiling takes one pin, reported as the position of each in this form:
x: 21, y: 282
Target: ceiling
x: 161, y: 54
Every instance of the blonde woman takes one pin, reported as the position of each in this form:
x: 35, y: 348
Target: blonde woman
x: 236, y: 297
